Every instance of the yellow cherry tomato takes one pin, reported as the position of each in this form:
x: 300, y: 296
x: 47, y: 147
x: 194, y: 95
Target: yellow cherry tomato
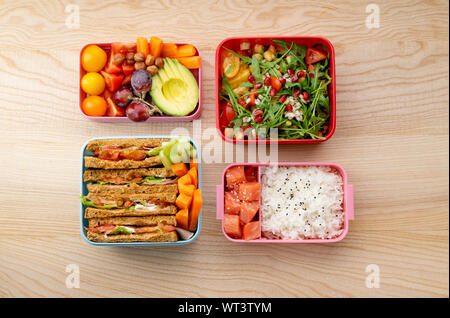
x: 230, y: 64
x: 94, y: 106
x: 93, y: 58
x: 93, y: 83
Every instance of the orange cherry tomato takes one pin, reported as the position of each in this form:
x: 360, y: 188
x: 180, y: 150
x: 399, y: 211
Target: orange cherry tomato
x: 230, y: 64
x: 94, y: 106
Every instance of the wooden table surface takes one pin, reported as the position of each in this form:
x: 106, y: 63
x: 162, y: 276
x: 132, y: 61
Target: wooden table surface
x: 392, y: 137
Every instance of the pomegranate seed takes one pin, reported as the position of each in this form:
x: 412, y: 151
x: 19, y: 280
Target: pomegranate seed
x: 267, y: 81
x: 282, y: 98
x: 301, y: 74
x: 294, y: 79
x: 306, y: 96
x: 290, y: 72
x: 258, y: 85
x: 257, y: 113
x: 297, y: 93
x: 273, y: 91
x: 258, y: 119
x: 242, y: 102
x: 282, y: 80
x: 251, y: 79
x: 289, y: 108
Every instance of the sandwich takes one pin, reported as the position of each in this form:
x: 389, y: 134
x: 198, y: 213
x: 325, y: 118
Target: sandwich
x: 111, y: 233
x: 124, y: 153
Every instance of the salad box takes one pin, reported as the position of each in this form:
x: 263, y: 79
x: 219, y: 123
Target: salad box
x: 347, y: 202
x: 84, y: 191
x: 162, y: 118
x: 234, y: 44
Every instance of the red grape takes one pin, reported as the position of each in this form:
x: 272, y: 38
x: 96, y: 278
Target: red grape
x: 122, y: 96
x: 141, y: 82
x: 138, y: 111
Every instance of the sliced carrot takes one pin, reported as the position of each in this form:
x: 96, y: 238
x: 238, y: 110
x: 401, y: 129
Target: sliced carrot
x: 183, y: 201
x: 142, y: 46
x: 186, y: 50
x: 179, y: 169
x: 194, y: 177
x: 197, y: 203
x: 182, y: 218
x: 186, y: 179
x: 187, y: 189
x: 169, y: 50
x: 193, y: 164
x: 190, y: 62
x: 156, y: 45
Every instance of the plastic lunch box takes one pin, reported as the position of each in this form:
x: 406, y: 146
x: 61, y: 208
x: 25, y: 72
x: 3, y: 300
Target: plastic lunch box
x: 347, y: 204
x: 165, y: 118
x: 83, y: 191
x: 233, y: 44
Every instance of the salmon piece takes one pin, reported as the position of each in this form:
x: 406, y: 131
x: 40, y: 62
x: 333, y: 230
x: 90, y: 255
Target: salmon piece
x: 231, y: 225
x: 249, y: 191
x: 248, y: 211
x: 235, y: 175
x: 251, y: 231
x: 250, y: 174
x: 232, y: 203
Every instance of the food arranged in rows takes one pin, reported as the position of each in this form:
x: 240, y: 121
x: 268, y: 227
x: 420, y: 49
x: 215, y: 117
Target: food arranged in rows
x: 274, y: 85
x: 284, y: 203
x: 139, y: 80
x: 141, y: 190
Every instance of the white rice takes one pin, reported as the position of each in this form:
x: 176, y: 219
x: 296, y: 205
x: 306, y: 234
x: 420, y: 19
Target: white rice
x: 301, y: 203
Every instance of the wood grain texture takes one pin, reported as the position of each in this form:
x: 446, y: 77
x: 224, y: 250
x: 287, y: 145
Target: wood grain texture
x: 392, y: 137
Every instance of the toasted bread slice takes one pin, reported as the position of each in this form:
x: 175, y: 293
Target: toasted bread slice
x: 126, y: 143
x: 126, y: 175
x: 168, y: 197
x: 140, y: 237
x: 104, y: 213
x: 94, y: 162
x: 108, y: 189
x: 152, y: 220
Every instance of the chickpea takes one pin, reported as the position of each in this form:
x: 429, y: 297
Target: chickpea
x: 130, y: 56
x: 272, y: 49
x: 258, y: 56
x: 258, y: 48
x: 150, y: 60
x: 269, y: 56
x: 139, y: 65
x: 241, y: 90
x: 152, y: 69
x: 118, y: 59
x: 139, y: 57
x: 159, y: 62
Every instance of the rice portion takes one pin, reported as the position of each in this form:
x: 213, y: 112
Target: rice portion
x: 301, y: 203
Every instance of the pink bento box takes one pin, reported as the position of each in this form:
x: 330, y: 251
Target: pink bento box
x: 347, y: 204
x: 165, y: 118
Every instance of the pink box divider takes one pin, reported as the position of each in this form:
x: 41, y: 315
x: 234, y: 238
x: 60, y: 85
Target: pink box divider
x: 348, y: 201
x: 153, y: 119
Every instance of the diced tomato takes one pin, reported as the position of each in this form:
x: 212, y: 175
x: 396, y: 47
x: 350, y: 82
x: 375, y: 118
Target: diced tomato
x: 111, y: 67
x: 248, y: 211
x: 251, y: 231
x: 107, y: 94
x: 123, y: 48
x: 275, y: 83
x: 229, y: 112
x: 112, y: 81
x: 232, y: 203
x: 234, y: 176
x: 166, y: 228
x: 250, y: 173
x: 126, y: 80
x: 127, y: 204
x: 102, y: 228
x: 314, y: 55
x: 113, y: 110
x: 127, y: 69
x: 231, y: 225
x: 132, y: 154
x: 249, y: 191
x: 311, y: 68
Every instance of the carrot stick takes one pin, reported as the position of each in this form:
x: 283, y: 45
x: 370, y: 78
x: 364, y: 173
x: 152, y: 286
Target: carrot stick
x: 179, y: 169
x: 183, y: 201
x: 182, y: 218
x: 197, y: 203
x: 194, y: 177
x: 186, y: 50
x: 169, y: 50
x: 190, y: 62
x: 155, y: 46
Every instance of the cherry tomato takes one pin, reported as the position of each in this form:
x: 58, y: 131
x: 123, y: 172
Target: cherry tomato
x: 275, y: 83
x: 93, y: 83
x: 94, y: 106
x: 93, y: 58
x: 314, y: 55
x: 230, y: 64
x: 229, y: 112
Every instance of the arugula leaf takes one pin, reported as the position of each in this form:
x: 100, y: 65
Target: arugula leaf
x: 255, y: 69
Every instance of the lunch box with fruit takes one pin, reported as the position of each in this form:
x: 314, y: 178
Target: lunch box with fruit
x: 224, y: 209
x: 84, y: 223
x: 235, y: 44
x: 117, y: 114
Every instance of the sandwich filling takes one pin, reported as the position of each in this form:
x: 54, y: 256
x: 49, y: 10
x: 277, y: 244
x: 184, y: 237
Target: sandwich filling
x: 109, y: 179
x: 104, y: 203
x: 116, y: 153
x: 111, y: 229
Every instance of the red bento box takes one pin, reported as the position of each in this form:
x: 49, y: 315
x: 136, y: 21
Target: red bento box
x: 233, y: 44
x: 164, y: 118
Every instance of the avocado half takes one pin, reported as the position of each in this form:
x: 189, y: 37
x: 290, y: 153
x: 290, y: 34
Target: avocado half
x: 174, y: 89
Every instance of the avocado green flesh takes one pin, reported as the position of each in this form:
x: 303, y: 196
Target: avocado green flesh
x: 174, y: 89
